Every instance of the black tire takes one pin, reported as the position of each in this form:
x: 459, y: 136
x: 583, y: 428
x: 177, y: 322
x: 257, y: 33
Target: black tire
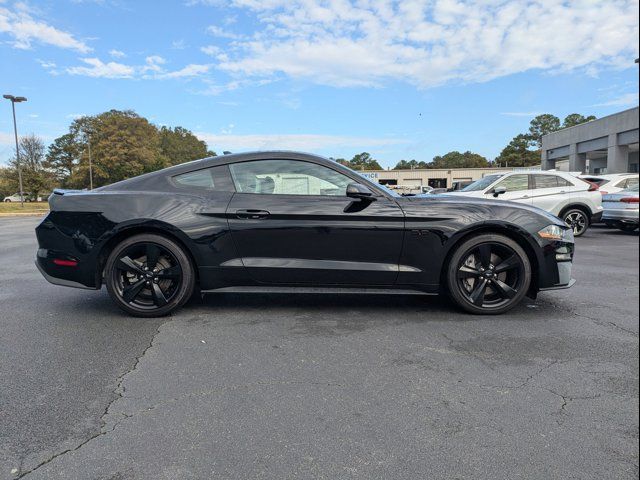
x: 7, y: 201
x: 149, y: 275
x: 577, y: 219
x: 488, y: 274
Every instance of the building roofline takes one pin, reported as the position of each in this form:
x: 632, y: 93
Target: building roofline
x: 591, y: 121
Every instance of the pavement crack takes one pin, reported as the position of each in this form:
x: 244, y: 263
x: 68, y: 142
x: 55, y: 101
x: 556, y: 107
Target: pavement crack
x: 605, y: 324
x: 118, y: 393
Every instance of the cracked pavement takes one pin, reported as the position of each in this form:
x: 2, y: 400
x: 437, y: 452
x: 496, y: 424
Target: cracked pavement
x: 309, y: 386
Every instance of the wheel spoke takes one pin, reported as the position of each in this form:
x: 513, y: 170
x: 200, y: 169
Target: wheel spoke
x: 129, y: 265
x: 512, y: 262
x: 477, y: 296
x: 158, y: 297
x: 467, y: 272
x: 170, y: 272
x: 503, y: 289
x: 485, y: 254
x: 130, y: 292
x: 153, y: 253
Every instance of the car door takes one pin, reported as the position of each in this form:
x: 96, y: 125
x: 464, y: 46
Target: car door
x: 292, y: 222
x: 517, y: 188
x: 550, y: 191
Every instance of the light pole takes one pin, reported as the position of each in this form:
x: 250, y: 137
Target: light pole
x: 15, y: 100
x: 88, y: 132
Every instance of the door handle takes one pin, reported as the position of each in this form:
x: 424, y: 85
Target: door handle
x: 252, y: 214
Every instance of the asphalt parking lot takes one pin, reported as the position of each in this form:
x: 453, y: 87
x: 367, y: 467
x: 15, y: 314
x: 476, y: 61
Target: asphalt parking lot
x: 310, y: 386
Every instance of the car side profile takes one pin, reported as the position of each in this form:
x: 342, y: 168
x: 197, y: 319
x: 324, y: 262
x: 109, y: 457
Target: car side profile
x: 575, y: 201
x: 288, y: 220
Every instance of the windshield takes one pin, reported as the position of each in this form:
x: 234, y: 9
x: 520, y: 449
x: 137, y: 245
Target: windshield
x: 633, y: 188
x: 481, y: 184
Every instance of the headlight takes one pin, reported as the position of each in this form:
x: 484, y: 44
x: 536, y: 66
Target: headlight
x: 555, y: 232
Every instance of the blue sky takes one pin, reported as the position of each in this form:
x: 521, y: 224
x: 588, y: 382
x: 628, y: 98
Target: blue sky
x: 401, y: 80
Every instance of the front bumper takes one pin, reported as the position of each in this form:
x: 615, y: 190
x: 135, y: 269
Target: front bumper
x: 564, y: 277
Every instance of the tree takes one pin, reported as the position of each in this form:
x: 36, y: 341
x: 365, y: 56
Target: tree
x: 542, y: 125
x: 456, y: 159
x: 518, y: 154
x: 361, y: 161
x: 574, y: 119
x: 35, y: 179
x: 410, y: 164
x: 8, y: 182
x: 179, y: 145
x: 62, y: 157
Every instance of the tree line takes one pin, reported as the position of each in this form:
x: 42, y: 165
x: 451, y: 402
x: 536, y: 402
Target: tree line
x: 122, y: 144
x: 118, y: 144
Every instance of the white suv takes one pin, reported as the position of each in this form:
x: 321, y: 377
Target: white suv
x: 577, y: 202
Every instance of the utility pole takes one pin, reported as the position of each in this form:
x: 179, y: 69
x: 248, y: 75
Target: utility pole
x: 90, y: 165
x: 15, y: 100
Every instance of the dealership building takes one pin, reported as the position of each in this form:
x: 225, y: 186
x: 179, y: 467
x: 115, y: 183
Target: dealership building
x: 606, y: 145
x: 436, y: 178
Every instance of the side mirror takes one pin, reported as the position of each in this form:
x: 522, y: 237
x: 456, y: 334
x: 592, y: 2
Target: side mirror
x: 499, y: 191
x: 359, y: 191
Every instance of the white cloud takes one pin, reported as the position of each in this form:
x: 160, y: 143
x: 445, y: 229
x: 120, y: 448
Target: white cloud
x: 20, y: 24
x: 178, y: 44
x: 117, y: 53
x: 429, y: 43
x: 307, y: 142
x: 626, y: 100
x: 210, y: 50
x: 153, y: 63
x: 97, y: 68
x: 219, y: 32
x: 191, y: 70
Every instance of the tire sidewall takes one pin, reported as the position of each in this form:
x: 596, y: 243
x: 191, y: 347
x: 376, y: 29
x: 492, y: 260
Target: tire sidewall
x: 456, y: 258
x: 188, y: 276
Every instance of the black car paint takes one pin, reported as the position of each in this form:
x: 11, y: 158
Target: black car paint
x: 396, y: 242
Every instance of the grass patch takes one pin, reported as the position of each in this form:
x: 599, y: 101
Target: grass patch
x: 29, y: 207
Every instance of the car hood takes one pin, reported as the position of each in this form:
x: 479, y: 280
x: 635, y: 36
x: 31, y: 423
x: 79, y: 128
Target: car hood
x: 428, y: 201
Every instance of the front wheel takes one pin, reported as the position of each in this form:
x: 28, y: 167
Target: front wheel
x: 577, y: 220
x: 488, y: 274
x: 149, y: 275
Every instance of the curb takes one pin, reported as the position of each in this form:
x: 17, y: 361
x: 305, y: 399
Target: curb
x: 24, y: 214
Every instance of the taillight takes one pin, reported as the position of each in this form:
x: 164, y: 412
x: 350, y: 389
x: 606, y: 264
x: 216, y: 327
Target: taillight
x: 630, y: 199
x: 593, y: 187
x: 603, y: 192
x: 65, y: 263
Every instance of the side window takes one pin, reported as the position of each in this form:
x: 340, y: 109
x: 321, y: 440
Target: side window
x: 288, y: 177
x: 563, y: 182
x: 515, y: 183
x: 206, y: 179
x: 632, y: 182
x: 545, y: 181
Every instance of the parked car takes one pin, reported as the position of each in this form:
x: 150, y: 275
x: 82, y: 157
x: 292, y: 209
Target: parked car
x: 284, y: 220
x: 577, y: 202
x: 16, y: 197
x: 612, y: 183
x: 621, y: 209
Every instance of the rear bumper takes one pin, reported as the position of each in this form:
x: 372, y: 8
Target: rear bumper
x: 59, y: 281
x: 620, y: 215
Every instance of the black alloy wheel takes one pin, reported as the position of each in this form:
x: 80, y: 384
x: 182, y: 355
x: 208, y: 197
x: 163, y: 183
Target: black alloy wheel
x: 149, y: 275
x: 489, y: 274
x: 577, y: 220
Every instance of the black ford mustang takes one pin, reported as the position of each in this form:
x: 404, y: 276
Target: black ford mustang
x: 280, y: 220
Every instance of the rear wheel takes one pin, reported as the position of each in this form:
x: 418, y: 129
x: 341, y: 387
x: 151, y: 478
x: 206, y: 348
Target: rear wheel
x: 149, y: 275
x: 577, y: 220
x: 488, y: 274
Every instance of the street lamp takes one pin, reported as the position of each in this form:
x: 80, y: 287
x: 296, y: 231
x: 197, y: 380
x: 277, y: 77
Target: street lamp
x: 88, y: 132
x: 15, y: 100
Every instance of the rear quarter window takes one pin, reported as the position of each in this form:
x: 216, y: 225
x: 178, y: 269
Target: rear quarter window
x: 213, y: 179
